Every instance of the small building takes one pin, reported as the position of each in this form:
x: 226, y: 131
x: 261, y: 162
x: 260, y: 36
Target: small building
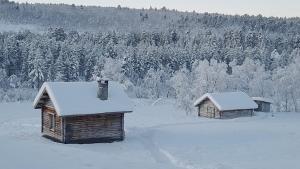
x: 225, y: 105
x: 264, y: 104
x: 83, y: 112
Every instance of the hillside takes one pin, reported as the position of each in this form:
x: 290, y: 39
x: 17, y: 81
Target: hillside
x: 124, y: 19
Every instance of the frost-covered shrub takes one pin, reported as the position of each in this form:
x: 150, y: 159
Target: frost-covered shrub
x: 17, y: 95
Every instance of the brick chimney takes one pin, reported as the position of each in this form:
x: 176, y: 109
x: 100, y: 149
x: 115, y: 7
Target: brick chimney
x: 102, y: 93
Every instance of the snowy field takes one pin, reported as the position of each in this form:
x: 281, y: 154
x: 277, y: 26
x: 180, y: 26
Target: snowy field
x: 158, y: 136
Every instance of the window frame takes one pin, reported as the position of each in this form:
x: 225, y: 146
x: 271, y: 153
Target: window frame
x: 52, y: 122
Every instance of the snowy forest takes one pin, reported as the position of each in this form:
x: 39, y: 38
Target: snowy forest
x: 155, y: 53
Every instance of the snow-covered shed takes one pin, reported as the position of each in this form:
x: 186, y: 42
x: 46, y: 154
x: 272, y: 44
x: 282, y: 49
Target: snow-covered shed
x: 83, y: 112
x: 225, y: 105
x: 264, y: 104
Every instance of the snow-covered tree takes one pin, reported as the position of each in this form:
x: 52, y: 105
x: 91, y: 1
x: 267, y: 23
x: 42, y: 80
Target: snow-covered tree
x: 243, y: 77
x: 14, y: 81
x: 112, y: 69
x: 36, y: 73
x: 286, y: 84
x: 67, y: 66
x: 275, y: 60
x: 209, y: 77
x: 182, y: 84
x: 3, y: 78
x: 49, y: 61
x: 156, y: 83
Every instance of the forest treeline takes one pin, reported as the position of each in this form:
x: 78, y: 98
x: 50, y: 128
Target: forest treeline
x: 154, y: 52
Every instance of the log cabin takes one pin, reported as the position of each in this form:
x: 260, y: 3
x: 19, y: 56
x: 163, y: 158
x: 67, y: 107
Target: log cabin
x: 264, y: 104
x: 225, y: 105
x: 83, y: 112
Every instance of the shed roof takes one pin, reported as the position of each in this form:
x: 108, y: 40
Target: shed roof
x: 80, y: 98
x: 262, y: 99
x: 229, y: 101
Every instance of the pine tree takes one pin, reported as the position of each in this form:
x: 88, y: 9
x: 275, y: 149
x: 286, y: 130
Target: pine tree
x: 3, y: 78
x: 67, y: 66
x: 37, y: 74
x: 49, y: 63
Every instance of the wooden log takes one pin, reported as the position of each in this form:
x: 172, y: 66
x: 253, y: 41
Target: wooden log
x: 95, y: 127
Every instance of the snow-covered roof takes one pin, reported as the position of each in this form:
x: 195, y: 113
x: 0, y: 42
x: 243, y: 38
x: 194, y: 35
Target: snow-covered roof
x: 229, y: 101
x: 80, y: 98
x: 267, y: 100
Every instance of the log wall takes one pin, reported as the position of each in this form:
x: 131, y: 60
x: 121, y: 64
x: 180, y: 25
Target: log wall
x: 208, y: 109
x: 94, y: 128
x: 56, y: 133
x: 236, y: 113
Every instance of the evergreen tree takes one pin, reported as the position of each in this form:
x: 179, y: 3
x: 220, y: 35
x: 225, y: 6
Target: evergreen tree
x: 49, y: 64
x: 37, y: 74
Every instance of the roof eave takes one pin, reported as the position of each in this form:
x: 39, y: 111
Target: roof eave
x: 238, y: 109
x: 73, y: 115
x: 207, y: 96
x: 46, y: 88
x: 263, y: 99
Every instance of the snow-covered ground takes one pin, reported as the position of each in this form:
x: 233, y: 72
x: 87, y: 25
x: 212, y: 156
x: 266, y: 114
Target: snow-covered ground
x: 158, y: 136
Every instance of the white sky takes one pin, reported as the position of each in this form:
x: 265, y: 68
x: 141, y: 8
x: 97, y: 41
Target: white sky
x: 288, y: 8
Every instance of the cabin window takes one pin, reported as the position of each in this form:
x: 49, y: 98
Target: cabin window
x: 52, y: 122
x: 210, y: 109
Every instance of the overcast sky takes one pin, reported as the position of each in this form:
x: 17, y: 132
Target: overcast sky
x: 289, y: 8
